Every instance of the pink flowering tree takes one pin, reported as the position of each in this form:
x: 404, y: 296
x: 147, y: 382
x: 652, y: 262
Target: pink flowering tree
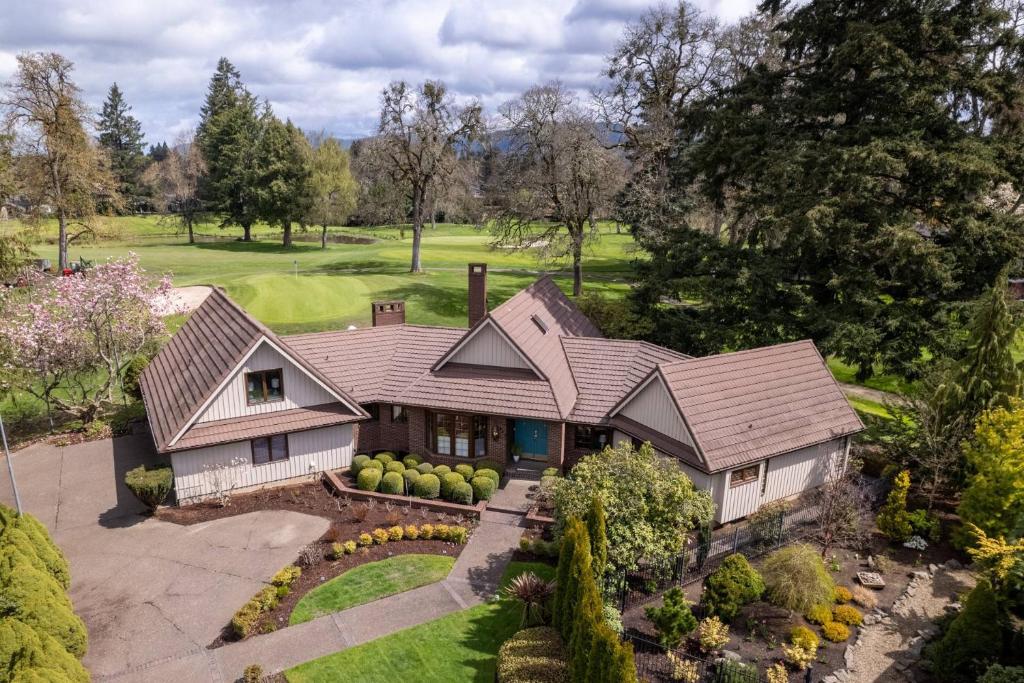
x: 69, y: 340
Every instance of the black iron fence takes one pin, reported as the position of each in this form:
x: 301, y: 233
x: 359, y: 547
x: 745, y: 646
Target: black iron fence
x: 658, y: 664
x: 705, y: 551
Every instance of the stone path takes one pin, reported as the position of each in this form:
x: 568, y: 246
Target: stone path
x: 890, y: 643
x: 875, y: 395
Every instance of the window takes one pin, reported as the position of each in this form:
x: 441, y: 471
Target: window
x: 264, y: 386
x: 269, y: 449
x: 458, y: 435
x: 592, y: 437
x: 399, y: 415
x: 744, y: 475
x: 374, y: 410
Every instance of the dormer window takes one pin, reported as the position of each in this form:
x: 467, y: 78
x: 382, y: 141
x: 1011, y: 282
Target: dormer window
x: 264, y: 386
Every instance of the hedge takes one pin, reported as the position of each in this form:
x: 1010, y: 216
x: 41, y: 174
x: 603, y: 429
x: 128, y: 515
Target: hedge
x: 462, y: 493
x: 465, y: 470
x: 448, y: 482
x: 427, y: 486
x: 40, y: 602
x: 384, y: 457
x: 491, y: 474
x: 35, y: 538
x: 150, y: 486
x: 533, y: 655
x: 424, y: 468
x: 483, y: 488
x: 410, y: 476
x: 395, y: 466
x: 359, y: 462
x: 442, y: 470
x: 29, y: 655
x: 368, y: 479
x: 393, y: 483
x: 412, y: 460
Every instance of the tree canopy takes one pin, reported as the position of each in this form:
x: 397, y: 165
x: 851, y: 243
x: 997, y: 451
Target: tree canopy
x: 120, y: 134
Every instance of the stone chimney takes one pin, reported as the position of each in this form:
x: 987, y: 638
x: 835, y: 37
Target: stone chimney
x: 388, y: 313
x: 477, y: 292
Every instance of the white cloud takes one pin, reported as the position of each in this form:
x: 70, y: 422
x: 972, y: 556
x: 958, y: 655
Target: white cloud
x: 321, y: 63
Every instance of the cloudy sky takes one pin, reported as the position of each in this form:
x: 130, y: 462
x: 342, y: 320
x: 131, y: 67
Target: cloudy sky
x: 322, y: 63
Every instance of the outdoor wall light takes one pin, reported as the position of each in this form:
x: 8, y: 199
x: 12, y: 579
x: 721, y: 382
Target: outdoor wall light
x: 496, y: 433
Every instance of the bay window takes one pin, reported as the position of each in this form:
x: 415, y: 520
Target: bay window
x: 457, y: 435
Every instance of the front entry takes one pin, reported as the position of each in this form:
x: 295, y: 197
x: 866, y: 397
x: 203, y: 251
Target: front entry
x: 531, y: 439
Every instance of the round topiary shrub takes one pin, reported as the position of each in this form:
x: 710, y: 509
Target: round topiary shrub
x: 843, y: 595
x: 442, y: 470
x: 549, y: 472
x: 373, y: 465
x: 835, y: 631
x: 488, y: 464
x: 392, y: 483
x: 734, y: 584
x: 847, y: 614
x: 483, y: 488
x: 427, y: 486
x: 359, y: 462
x: 150, y: 486
x: 490, y: 474
x: 394, y: 466
x: 368, y: 479
x: 410, y: 476
x: 424, y: 468
x: 384, y: 457
x: 462, y: 493
x: 412, y: 460
x: 448, y: 481
x: 466, y: 470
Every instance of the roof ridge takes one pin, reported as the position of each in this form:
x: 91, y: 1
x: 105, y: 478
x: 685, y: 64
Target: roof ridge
x: 741, y: 352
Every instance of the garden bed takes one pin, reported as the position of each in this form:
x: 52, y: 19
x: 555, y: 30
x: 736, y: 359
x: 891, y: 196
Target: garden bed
x: 344, y: 484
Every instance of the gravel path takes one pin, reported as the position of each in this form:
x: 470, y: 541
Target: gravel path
x: 871, y: 394
x: 886, y: 649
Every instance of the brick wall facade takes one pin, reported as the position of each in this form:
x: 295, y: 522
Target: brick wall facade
x: 572, y: 453
x: 384, y: 434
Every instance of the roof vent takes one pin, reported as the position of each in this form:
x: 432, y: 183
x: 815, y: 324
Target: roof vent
x: 539, y: 323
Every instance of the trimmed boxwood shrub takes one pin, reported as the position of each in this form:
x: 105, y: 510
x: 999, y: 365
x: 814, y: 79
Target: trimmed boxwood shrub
x: 449, y: 481
x: 533, y: 654
x: 483, y: 488
x: 384, y: 457
x: 412, y: 460
x: 847, y: 614
x: 442, y: 470
x: 393, y: 483
x: 835, y: 631
x: 394, y: 466
x: 150, y: 486
x: 373, y: 465
x: 465, y: 469
x: 27, y: 534
x: 734, y: 584
x: 368, y: 479
x: 30, y: 655
x: 359, y: 462
x: 488, y: 464
x: 40, y: 602
x: 462, y: 493
x: 427, y: 486
x: 424, y: 468
x: 490, y: 474
x: 410, y: 476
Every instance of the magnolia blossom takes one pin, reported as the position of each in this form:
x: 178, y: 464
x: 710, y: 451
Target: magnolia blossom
x: 79, y: 333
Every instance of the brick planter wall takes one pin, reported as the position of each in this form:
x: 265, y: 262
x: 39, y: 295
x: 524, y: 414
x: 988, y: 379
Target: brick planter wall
x: 343, y: 489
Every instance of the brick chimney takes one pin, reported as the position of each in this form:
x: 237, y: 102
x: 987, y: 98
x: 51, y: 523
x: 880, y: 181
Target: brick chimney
x: 388, y: 313
x: 477, y: 292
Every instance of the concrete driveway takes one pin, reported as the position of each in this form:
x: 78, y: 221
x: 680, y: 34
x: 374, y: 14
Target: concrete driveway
x: 153, y: 594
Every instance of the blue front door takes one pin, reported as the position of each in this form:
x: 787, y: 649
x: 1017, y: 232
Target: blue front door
x: 532, y: 438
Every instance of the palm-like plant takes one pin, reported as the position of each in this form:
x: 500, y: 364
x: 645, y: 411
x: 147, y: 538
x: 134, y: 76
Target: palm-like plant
x: 533, y: 593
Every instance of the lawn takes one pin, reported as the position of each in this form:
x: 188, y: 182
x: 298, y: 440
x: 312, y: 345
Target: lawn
x: 369, y: 582
x: 459, y: 647
x: 894, y: 384
x: 866, y: 406
x: 305, y: 288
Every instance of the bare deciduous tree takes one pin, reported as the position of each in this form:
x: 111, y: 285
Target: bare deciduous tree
x: 419, y: 136
x: 60, y: 169
x: 844, y: 508
x: 557, y: 178
x: 176, y: 183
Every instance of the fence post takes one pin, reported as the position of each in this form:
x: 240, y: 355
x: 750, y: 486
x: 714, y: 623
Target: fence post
x: 807, y: 674
x: 736, y: 539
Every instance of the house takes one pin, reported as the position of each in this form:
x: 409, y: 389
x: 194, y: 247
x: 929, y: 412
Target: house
x: 532, y: 377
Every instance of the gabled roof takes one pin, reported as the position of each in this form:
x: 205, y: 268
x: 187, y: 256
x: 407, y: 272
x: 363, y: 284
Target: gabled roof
x: 749, y: 405
x: 188, y: 371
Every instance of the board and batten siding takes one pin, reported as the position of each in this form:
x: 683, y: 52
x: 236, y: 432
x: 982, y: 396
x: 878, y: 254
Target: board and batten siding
x: 488, y: 347
x: 311, y: 451
x: 300, y: 390
x: 654, y: 408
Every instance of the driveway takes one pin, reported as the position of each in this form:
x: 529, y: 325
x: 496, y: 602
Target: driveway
x: 153, y: 594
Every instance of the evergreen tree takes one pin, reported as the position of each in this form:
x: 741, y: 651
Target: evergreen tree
x: 973, y: 639
x: 588, y: 617
x: 598, y: 539
x: 284, y: 175
x: 159, y: 151
x: 223, y: 93
x: 575, y: 551
x: 120, y: 134
x: 601, y: 659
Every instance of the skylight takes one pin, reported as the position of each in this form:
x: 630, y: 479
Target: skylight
x: 539, y: 323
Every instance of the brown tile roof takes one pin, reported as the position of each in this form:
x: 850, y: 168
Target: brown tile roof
x: 749, y: 405
x: 471, y: 388
x: 607, y: 369
x: 193, y: 364
x: 264, y: 424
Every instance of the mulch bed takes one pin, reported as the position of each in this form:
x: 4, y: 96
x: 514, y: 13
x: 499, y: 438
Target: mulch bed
x: 757, y: 633
x: 348, y: 518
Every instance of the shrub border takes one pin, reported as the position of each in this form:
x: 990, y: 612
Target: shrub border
x: 436, y: 504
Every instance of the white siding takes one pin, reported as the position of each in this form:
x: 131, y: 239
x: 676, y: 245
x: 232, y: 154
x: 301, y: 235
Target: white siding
x: 488, y: 347
x: 300, y: 390
x: 739, y: 501
x: 312, y: 451
x: 654, y: 408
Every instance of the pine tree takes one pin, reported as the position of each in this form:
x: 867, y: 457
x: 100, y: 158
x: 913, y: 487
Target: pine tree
x: 224, y: 92
x: 159, y: 151
x: 893, y: 520
x: 120, y: 134
x: 598, y: 539
x: 284, y: 176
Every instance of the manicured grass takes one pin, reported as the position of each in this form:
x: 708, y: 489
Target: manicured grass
x: 893, y: 384
x: 369, y: 582
x: 306, y: 289
x: 459, y: 647
x: 868, y: 407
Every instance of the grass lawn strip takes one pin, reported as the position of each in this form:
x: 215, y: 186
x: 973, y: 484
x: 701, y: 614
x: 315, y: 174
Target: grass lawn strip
x: 370, y: 582
x: 459, y: 647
